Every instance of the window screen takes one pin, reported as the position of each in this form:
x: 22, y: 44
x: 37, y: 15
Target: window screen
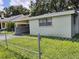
x: 45, y: 22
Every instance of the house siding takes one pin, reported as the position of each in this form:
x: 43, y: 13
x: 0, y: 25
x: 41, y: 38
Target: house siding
x: 73, y: 25
x: 61, y: 27
x: 77, y: 25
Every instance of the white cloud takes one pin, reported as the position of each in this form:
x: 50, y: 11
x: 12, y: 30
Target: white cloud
x: 1, y: 5
x: 1, y: 8
x: 24, y: 3
x: 1, y: 2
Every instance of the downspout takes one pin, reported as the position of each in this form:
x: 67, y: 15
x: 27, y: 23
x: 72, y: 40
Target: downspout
x: 77, y: 21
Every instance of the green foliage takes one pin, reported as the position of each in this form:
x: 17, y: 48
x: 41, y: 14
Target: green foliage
x: 15, y: 10
x: 10, y: 26
x: 76, y: 36
x: 48, y: 6
x: 39, y: 8
x: 74, y: 4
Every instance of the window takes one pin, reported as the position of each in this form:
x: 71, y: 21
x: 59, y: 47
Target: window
x: 45, y: 22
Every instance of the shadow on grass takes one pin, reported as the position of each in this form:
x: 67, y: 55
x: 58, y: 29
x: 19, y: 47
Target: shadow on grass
x: 74, y: 39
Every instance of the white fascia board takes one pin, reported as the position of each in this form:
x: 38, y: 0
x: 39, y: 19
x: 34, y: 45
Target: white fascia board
x: 46, y: 15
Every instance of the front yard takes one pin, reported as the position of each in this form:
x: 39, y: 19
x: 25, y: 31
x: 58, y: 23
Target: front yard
x: 51, y: 48
x: 7, y: 54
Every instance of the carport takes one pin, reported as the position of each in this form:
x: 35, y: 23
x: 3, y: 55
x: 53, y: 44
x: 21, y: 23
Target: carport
x: 22, y: 27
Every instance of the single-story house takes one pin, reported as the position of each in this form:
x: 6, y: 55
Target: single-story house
x: 60, y: 24
x: 4, y: 21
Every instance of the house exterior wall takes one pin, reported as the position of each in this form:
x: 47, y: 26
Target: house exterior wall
x: 61, y: 27
x: 77, y: 25
x: 73, y: 26
x: 21, y: 22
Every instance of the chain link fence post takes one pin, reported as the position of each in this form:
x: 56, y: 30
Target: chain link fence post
x: 6, y: 39
x: 39, y: 49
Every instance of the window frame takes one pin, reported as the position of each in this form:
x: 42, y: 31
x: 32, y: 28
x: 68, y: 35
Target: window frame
x: 45, y: 22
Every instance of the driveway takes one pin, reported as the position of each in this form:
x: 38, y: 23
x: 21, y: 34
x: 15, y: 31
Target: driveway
x: 8, y: 36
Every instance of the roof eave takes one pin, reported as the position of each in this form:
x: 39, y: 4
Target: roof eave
x: 47, y: 15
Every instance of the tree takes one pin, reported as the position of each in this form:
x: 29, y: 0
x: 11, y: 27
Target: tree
x: 1, y: 12
x: 10, y: 26
x: 7, y: 12
x: 74, y: 4
x: 44, y: 6
x: 38, y: 8
x: 48, y: 6
x: 16, y: 10
x: 58, y: 5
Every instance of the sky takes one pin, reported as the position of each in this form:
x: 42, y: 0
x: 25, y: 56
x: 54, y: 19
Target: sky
x: 7, y: 3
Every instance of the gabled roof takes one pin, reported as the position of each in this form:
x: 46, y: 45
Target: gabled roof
x: 46, y: 15
x: 23, y: 17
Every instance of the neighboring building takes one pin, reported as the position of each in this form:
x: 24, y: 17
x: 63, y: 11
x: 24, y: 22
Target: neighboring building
x: 59, y: 24
x: 4, y: 21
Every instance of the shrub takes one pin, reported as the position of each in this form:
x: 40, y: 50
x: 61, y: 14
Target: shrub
x: 10, y: 26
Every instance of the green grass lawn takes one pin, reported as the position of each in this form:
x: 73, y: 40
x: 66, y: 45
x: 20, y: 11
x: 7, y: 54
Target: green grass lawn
x: 8, y: 54
x: 7, y: 32
x: 51, y: 48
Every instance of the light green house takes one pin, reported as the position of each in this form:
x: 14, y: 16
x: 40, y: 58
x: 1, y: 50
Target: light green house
x: 59, y: 24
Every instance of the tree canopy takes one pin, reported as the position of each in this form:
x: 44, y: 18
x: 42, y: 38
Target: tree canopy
x: 48, y: 6
x: 42, y: 7
x: 15, y: 10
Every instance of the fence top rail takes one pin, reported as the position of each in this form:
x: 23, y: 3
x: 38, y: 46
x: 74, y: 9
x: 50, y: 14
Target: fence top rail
x: 23, y: 48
